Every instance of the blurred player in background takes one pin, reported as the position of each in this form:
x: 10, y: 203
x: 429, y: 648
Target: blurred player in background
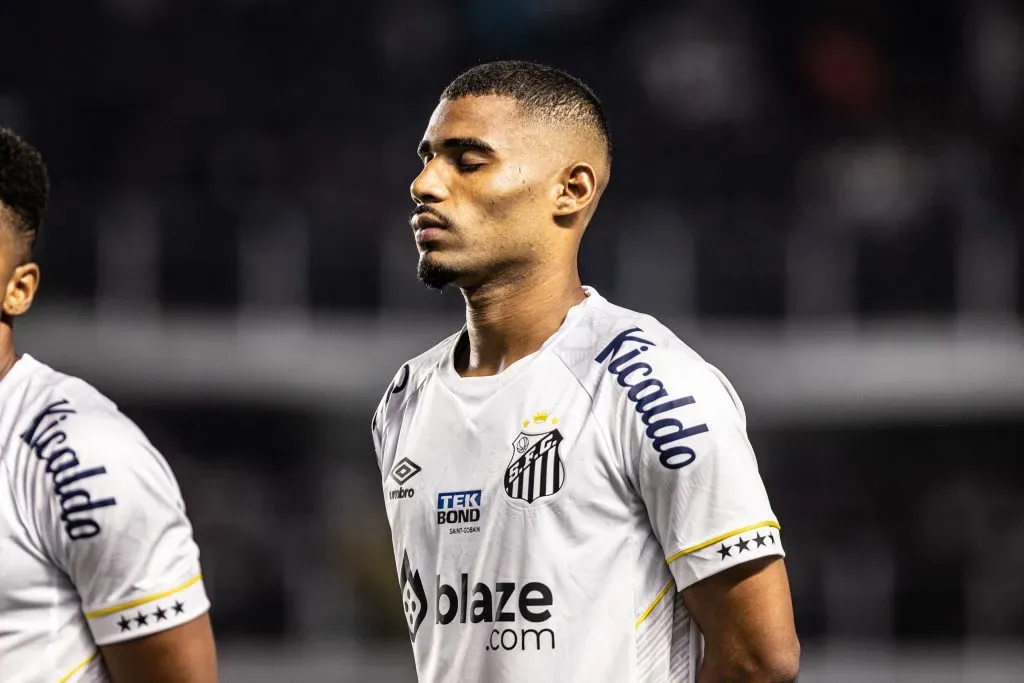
x: 99, y: 575
x: 570, y: 488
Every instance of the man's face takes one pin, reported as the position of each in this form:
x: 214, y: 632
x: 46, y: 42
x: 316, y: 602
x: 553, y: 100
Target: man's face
x: 484, y: 196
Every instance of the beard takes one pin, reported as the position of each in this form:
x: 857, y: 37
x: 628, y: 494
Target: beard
x: 434, y: 275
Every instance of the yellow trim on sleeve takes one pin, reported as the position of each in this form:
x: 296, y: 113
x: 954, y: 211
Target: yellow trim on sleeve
x: 142, y: 601
x: 716, y: 539
x: 650, y: 608
x: 82, y: 665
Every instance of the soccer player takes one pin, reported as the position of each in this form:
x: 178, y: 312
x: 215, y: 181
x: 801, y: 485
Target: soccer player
x: 99, y: 575
x: 570, y: 488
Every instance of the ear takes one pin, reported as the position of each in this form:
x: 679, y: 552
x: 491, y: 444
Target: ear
x: 21, y: 290
x: 577, y: 191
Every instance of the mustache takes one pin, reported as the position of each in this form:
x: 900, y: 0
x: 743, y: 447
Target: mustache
x: 423, y: 208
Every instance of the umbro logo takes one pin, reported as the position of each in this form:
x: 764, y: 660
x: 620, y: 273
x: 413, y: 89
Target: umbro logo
x: 404, y: 470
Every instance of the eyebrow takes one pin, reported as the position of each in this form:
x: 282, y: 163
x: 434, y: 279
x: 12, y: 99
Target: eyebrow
x: 457, y: 143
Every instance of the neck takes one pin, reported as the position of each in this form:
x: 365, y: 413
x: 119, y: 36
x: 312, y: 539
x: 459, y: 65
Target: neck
x: 509, y: 320
x: 7, y: 354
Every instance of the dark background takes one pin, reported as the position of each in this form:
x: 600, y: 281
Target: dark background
x: 823, y: 198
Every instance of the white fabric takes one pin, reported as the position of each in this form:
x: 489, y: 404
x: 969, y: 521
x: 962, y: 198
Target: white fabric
x: 544, y: 518
x: 95, y: 547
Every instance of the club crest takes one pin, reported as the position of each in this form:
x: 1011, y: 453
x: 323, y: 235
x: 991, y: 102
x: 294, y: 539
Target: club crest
x: 536, y: 468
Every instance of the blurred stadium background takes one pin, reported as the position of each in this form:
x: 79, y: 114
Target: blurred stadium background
x: 826, y: 199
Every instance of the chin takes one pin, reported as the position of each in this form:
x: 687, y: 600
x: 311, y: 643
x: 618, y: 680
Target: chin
x: 435, y: 274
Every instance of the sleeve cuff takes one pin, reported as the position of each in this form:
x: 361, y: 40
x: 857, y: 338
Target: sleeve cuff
x: 146, y: 615
x: 729, y: 549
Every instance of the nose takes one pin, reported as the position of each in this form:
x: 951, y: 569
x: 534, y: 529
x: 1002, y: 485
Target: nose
x: 429, y: 187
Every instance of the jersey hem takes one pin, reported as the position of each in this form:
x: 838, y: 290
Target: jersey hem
x: 721, y: 537
x: 142, y: 601
x: 135, y: 622
x: 125, y: 637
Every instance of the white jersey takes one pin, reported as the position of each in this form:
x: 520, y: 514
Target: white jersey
x: 95, y: 547
x: 545, y: 519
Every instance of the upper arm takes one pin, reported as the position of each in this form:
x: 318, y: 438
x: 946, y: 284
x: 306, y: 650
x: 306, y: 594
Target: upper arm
x: 689, y: 458
x: 183, y: 654
x: 746, y: 616
x: 693, y: 466
x: 115, y: 523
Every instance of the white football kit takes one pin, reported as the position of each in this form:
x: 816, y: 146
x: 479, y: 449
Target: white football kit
x: 95, y: 547
x: 545, y: 519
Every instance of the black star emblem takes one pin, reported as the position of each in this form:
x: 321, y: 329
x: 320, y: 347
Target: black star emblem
x: 124, y: 624
x: 160, y: 613
x: 179, y: 607
x: 771, y: 537
x: 141, y: 619
x: 725, y: 551
x: 742, y: 545
x: 760, y: 539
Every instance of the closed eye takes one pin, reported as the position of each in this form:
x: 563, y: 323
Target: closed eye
x: 468, y: 160
x: 466, y: 154
x: 467, y: 167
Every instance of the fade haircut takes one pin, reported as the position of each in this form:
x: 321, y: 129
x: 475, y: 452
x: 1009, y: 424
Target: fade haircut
x: 24, y: 187
x: 541, y: 90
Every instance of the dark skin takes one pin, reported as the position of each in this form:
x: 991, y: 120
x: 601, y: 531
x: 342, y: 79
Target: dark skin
x: 746, y: 616
x: 516, y: 214
x: 514, y: 193
x: 21, y: 281
x: 184, y: 654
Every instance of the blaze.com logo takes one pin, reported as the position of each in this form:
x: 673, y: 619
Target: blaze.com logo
x: 501, y: 605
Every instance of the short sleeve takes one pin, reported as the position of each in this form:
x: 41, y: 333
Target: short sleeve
x: 688, y: 454
x: 378, y: 426
x: 115, y: 522
x: 377, y: 429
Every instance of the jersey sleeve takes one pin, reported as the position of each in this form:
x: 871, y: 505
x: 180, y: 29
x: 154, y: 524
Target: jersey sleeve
x: 115, y: 522
x: 377, y: 429
x: 379, y: 424
x: 688, y: 455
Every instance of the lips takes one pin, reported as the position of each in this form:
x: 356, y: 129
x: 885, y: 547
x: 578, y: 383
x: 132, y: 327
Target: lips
x: 428, y: 234
x: 425, y: 221
x: 428, y: 226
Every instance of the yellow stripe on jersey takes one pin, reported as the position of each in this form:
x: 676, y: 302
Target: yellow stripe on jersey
x: 142, y: 601
x: 650, y: 608
x: 82, y: 665
x: 716, y: 539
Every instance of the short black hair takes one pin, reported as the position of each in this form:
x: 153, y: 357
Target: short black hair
x: 24, y: 185
x: 540, y: 89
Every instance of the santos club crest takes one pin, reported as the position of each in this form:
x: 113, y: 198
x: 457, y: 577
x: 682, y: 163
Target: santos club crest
x: 536, y: 468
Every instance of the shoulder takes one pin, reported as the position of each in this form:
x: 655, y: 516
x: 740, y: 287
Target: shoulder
x: 92, y: 460
x: 410, y: 376
x: 649, y: 384
x: 610, y: 340
x: 56, y: 402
